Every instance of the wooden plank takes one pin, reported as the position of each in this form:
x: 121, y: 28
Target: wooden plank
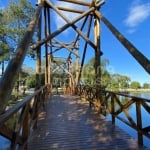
x: 125, y: 106
x: 70, y: 9
x: 129, y: 118
x: 77, y: 2
x: 84, y: 130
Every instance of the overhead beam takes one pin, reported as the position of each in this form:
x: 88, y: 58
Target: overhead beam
x: 69, y: 10
x: 64, y: 46
x: 73, y: 26
x: 61, y: 67
x: 77, y: 2
x: 142, y: 60
x: 60, y: 30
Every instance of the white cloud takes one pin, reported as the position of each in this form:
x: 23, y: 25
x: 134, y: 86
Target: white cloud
x: 137, y: 14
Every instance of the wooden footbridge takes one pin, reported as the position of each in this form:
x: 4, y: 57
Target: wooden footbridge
x: 74, y: 118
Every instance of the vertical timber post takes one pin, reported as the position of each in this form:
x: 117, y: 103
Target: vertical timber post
x: 49, y: 74
x: 38, y: 69
x: 139, y: 122
x: 77, y: 68
x: 11, y: 73
x: 50, y: 54
x: 38, y: 60
x: 46, y: 47
x: 69, y: 86
x: 97, y: 59
x: 113, y: 109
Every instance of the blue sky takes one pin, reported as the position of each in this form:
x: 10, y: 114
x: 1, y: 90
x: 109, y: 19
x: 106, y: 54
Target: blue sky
x: 132, y: 19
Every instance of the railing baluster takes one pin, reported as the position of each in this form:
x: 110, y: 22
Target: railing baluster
x: 25, y: 127
x: 112, y: 109
x: 139, y: 122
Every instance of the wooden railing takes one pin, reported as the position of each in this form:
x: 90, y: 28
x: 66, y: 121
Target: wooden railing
x: 17, y: 122
x: 116, y: 104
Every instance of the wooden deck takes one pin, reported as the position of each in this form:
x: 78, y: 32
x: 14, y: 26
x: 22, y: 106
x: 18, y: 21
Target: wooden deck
x: 69, y: 124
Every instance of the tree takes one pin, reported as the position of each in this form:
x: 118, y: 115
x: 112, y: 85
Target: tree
x: 16, y: 17
x: 146, y: 85
x: 135, y: 85
x: 88, y: 74
x: 14, y: 20
x: 119, y: 81
x: 4, y: 43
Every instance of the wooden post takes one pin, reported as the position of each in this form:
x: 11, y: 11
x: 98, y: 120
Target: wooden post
x: 78, y: 2
x: 9, y: 78
x: 25, y: 128
x: 46, y: 47
x: 49, y: 74
x: 97, y: 59
x: 38, y: 60
x: 112, y: 109
x: 139, y: 122
x: 50, y: 54
x: 77, y: 66
x: 70, y: 79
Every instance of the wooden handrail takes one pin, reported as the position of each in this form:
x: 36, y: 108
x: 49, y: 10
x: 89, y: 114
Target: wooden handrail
x: 27, y: 118
x: 109, y: 101
x: 13, y: 68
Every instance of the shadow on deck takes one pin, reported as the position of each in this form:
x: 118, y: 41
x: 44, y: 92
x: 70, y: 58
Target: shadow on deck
x: 69, y: 124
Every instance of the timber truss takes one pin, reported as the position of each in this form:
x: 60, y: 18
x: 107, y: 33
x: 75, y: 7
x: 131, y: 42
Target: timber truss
x: 89, y: 16
x: 86, y: 21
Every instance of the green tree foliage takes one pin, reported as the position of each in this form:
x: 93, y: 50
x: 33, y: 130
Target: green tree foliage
x: 88, y: 74
x: 15, y: 18
x: 30, y: 80
x: 4, y: 41
x: 146, y: 85
x: 135, y: 85
x: 119, y: 81
x: 109, y: 81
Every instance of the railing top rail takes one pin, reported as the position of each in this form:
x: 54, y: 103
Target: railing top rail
x: 130, y: 96
x: 5, y: 116
x: 136, y: 98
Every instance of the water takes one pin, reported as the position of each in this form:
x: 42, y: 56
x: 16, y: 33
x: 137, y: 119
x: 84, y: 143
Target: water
x: 4, y: 143
x: 132, y: 112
